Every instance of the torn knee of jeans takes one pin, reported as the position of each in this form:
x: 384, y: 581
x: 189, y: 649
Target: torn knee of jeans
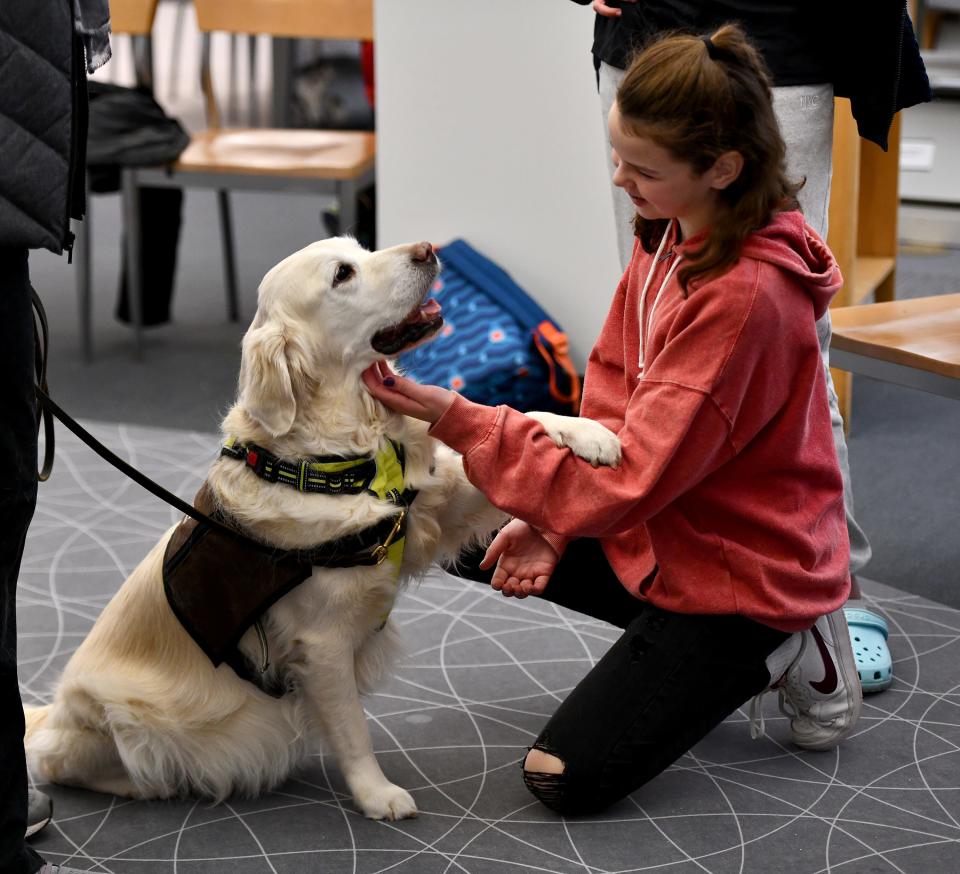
x: 549, y: 762
x: 546, y: 786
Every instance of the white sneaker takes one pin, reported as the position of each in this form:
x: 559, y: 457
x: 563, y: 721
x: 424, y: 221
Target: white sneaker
x: 820, y: 690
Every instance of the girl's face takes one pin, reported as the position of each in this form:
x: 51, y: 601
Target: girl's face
x: 660, y: 185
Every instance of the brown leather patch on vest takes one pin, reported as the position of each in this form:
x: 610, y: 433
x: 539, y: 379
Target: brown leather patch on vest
x: 218, y: 586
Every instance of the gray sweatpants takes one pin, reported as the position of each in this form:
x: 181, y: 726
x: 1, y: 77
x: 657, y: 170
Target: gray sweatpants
x: 805, y: 114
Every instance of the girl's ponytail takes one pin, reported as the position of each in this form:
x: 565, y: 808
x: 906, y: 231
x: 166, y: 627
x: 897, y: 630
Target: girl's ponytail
x: 698, y: 97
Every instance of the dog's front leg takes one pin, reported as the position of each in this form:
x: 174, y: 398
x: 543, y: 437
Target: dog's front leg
x: 332, y: 693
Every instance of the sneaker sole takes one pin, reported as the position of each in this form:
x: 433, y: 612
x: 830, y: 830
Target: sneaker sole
x: 38, y: 826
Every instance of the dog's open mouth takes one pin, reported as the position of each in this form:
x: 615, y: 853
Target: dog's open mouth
x: 425, y: 320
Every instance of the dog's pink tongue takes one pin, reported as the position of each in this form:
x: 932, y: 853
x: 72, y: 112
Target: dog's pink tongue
x: 430, y: 309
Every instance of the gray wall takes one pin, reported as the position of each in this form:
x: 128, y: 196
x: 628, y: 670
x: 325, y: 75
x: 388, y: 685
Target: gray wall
x: 489, y: 128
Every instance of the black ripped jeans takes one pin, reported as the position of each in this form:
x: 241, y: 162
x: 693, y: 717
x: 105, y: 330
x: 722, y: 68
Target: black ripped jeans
x: 661, y: 687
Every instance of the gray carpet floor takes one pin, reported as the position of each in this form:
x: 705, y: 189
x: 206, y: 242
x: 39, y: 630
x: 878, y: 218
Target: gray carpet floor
x: 481, y: 676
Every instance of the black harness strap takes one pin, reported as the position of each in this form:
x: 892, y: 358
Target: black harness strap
x: 307, y: 475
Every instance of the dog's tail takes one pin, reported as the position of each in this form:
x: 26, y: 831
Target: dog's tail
x: 35, y: 718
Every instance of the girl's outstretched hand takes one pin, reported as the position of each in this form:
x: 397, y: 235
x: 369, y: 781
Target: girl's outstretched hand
x: 524, y: 559
x: 426, y: 402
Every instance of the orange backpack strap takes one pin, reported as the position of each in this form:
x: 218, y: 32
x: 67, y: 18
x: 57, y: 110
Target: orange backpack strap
x: 553, y: 345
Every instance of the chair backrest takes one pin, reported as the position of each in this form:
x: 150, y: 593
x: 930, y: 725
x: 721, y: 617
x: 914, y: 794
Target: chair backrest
x: 309, y: 19
x: 134, y: 17
x: 282, y: 19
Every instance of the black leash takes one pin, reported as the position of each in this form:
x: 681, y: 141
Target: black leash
x: 40, y: 346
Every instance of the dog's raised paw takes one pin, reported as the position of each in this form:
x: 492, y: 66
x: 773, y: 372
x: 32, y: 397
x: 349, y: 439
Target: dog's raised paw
x: 586, y: 438
x: 389, y: 802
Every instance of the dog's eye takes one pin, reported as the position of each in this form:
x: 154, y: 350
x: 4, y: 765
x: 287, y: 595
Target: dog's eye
x: 344, y: 272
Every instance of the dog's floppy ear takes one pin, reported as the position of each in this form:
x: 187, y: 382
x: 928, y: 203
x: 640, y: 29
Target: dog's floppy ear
x: 267, y: 377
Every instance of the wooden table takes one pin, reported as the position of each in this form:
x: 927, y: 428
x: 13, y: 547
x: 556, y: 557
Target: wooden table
x: 913, y: 342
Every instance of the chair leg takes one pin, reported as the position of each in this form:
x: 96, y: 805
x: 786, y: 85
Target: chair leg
x: 282, y: 60
x: 253, y: 98
x: 180, y: 22
x: 84, y: 267
x: 131, y: 226
x: 229, y: 261
x: 347, y: 202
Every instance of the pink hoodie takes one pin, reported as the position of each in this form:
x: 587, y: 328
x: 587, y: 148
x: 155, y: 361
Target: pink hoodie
x: 729, y: 481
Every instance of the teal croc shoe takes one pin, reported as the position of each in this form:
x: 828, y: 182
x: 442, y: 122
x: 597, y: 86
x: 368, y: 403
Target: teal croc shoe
x: 868, y: 634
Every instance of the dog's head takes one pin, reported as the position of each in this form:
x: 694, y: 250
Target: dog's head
x: 329, y: 311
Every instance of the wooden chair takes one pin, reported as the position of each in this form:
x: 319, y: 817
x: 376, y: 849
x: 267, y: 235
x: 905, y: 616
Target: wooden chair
x: 913, y: 342
x: 134, y: 19
x: 332, y: 162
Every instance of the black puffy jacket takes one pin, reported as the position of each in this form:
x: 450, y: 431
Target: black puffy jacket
x: 42, y: 124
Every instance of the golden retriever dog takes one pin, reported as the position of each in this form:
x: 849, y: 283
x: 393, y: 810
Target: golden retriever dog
x: 140, y: 710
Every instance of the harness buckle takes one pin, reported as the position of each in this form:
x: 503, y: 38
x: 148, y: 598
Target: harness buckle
x: 380, y: 551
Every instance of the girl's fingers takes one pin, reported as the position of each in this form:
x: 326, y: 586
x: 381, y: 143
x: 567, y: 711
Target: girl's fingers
x: 426, y: 402
x: 372, y: 382
x: 512, y: 588
x: 406, y: 388
x: 392, y: 396
x: 494, y: 550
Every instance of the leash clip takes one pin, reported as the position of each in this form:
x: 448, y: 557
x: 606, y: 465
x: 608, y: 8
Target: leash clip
x: 380, y: 552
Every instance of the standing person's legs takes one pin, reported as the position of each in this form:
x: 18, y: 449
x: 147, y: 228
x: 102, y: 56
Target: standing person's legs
x: 18, y: 492
x: 623, y: 208
x: 805, y: 114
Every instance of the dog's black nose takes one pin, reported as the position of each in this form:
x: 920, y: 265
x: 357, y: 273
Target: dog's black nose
x: 423, y: 252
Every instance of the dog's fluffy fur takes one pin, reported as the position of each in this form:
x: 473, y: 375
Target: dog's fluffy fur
x: 140, y: 711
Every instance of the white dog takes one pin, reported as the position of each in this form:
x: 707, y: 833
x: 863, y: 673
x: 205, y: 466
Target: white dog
x: 140, y: 710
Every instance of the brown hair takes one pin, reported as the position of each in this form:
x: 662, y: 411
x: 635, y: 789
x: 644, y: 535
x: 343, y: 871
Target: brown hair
x: 699, y: 97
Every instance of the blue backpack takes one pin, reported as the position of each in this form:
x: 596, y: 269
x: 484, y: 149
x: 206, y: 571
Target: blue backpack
x: 497, y: 345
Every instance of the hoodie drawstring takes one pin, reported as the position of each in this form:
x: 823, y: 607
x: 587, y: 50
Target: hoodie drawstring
x: 646, y: 326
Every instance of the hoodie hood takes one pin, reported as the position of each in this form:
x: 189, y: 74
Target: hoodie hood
x: 793, y: 246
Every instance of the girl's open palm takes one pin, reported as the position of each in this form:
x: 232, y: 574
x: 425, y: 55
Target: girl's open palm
x: 524, y: 559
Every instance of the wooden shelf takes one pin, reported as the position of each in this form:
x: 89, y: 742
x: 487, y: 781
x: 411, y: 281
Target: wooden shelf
x: 869, y: 273
x: 863, y: 222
